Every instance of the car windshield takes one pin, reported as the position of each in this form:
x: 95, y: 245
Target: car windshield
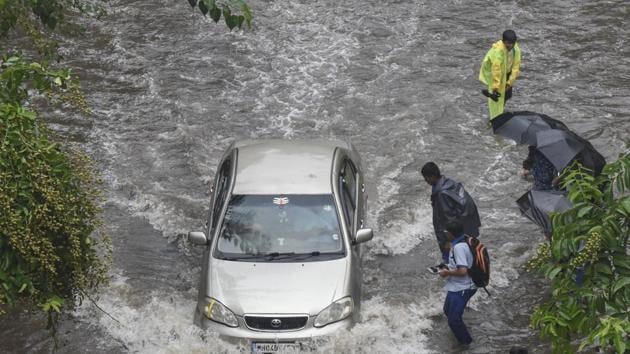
x: 279, y: 226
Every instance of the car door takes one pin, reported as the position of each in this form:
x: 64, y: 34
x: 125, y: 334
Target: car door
x: 219, y: 196
x: 349, y: 190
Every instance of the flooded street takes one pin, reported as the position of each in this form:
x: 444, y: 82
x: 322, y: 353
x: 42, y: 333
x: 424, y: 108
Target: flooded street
x: 170, y: 90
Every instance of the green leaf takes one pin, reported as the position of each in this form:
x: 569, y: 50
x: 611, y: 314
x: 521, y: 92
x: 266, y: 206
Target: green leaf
x: 603, y: 268
x: 552, y: 274
x: 227, y: 16
x: 621, y: 262
x: 620, y: 345
x: 239, y: 20
x: 203, y: 8
x: 584, y: 211
x: 246, y: 11
x: 620, y: 284
x: 215, y: 13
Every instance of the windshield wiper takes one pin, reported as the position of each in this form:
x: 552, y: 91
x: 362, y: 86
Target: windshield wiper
x: 278, y: 255
x: 272, y: 256
x: 266, y: 256
x: 317, y: 254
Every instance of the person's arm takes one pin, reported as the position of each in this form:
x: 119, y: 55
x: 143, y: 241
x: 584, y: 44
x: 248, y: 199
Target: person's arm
x: 497, y: 70
x: 516, y: 66
x: 460, y: 260
x: 457, y: 272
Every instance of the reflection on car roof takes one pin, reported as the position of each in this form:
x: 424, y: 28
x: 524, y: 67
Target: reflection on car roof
x: 285, y: 166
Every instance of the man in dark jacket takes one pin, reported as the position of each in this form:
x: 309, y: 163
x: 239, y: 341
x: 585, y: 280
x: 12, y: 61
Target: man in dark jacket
x: 451, y: 203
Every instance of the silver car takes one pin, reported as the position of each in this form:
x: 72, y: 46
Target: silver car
x: 282, y: 262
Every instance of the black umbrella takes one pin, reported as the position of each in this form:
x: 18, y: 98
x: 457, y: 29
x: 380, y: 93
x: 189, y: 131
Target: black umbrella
x: 562, y: 146
x: 537, y: 205
x: 522, y: 126
x: 589, y: 157
x: 558, y: 146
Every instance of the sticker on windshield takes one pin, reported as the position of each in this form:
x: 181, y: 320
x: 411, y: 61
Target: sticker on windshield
x: 282, y: 217
x: 335, y: 237
x: 281, y: 200
x: 327, y: 207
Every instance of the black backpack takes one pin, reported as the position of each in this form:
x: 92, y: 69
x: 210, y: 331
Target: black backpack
x: 480, y: 270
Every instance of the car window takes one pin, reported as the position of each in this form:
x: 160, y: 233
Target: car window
x: 348, y: 190
x: 223, y: 180
x: 282, y: 224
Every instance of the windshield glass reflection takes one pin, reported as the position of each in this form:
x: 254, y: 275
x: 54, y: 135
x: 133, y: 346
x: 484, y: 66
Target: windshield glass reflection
x: 272, y: 226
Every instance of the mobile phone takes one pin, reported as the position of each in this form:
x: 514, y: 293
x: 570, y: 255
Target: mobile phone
x: 433, y: 270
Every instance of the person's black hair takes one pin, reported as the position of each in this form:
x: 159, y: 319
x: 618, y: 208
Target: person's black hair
x: 430, y: 169
x: 455, y: 227
x: 509, y: 36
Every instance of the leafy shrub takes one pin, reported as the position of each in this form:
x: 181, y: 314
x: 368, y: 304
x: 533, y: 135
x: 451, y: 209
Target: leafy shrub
x: 590, y: 241
x: 49, y: 200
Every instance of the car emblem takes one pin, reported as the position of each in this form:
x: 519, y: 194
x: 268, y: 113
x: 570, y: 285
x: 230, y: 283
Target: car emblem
x: 276, y: 322
x: 281, y: 200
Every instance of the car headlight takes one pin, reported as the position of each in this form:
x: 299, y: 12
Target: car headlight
x: 218, y: 312
x: 337, y: 311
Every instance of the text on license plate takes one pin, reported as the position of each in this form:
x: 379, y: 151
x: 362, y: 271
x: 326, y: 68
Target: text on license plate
x: 259, y: 348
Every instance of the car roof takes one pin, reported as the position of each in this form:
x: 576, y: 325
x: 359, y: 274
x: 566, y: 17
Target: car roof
x: 285, y: 166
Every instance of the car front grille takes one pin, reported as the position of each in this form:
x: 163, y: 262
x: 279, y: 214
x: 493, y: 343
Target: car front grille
x: 276, y: 323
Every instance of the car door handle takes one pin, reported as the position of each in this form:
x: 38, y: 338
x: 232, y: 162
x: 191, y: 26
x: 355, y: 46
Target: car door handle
x: 361, y: 224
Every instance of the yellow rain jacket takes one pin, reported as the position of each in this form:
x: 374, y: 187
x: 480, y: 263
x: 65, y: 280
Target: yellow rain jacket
x: 494, y: 70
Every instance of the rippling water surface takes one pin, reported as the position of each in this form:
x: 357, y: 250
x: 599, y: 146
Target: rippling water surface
x: 397, y: 78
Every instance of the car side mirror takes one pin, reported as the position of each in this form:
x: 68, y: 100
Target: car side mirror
x: 363, y: 235
x: 197, y: 237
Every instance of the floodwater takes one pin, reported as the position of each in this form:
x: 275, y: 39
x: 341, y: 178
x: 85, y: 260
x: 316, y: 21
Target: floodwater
x: 398, y: 79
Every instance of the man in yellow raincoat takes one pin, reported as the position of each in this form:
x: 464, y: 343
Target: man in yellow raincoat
x: 499, y: 70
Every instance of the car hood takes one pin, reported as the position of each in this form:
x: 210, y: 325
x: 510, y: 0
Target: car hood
x: 275, y: 288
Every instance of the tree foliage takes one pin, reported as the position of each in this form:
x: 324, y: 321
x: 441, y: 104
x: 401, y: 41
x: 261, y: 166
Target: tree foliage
x: 52, y: 251
x: 589, y: 241
x: 49, y: 199
x: 235, y: 12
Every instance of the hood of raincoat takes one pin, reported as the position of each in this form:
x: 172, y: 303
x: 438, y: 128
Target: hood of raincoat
x: 499, y: 45
x: 453, y: 189
x: 450, y: 202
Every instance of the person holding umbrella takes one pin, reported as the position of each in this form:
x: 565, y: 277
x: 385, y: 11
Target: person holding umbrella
x: 541, y: 169
x: 499, y: 69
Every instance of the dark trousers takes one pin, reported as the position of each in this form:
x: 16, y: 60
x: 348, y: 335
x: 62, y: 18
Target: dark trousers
x: 454, y: 306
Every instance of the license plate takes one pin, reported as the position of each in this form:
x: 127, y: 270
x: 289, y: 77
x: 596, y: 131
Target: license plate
x: 260, y: 348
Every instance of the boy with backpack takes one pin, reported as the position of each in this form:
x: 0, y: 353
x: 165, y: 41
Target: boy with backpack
x: 459, y: 284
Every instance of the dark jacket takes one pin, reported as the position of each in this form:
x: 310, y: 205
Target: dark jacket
x: 451, y: 202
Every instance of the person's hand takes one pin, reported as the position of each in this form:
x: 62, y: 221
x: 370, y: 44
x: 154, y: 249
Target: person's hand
x: 443, y: 272
x: 556, y: 181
